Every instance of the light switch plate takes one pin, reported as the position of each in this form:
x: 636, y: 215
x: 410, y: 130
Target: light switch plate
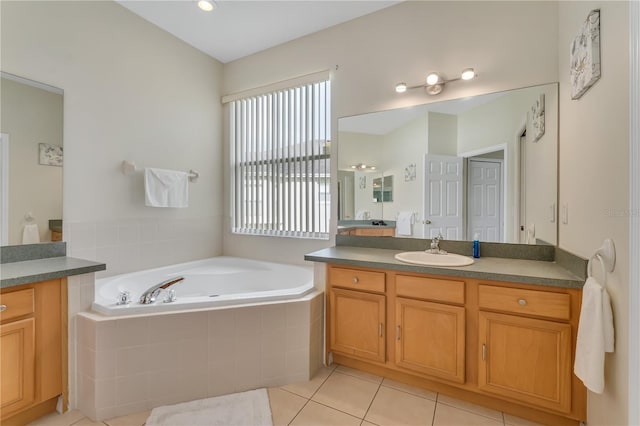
x: 565, y: 214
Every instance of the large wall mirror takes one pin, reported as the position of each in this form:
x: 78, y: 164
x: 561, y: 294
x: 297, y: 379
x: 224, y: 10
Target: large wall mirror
x: 485, y: 165
x: 31, y: 120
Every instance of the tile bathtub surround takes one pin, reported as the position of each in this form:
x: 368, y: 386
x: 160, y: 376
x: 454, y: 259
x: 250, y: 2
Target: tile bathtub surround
x: 362, y: 399
x: 133, y: 364
x: 143, y: 243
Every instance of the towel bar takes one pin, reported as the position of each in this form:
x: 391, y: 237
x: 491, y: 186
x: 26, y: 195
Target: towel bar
x: 129, y: 167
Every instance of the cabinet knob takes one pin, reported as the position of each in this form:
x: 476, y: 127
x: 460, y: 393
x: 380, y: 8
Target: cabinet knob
x: 355, y: 280
x: 3, y: 308
x: 522, y: 302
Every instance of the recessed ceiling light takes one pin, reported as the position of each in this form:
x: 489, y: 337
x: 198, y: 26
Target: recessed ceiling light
x: 206, y: 5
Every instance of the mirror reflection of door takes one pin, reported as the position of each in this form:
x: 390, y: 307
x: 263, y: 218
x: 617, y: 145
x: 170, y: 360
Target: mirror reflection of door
x: 346, y: 207
x: 442, y: 210
x: 485, y: 199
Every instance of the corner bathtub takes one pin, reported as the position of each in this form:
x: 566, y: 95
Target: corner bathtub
x: 218, y: 281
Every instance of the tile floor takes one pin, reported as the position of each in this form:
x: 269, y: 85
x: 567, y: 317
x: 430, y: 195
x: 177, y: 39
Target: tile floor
x: 338, y: 395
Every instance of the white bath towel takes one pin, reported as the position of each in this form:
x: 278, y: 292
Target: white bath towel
x: 31, y: 234
x: 166, y: 188
x: 238, y: 409
x: 595, y: 335
x: 363, y: 215
x: 404, y: 223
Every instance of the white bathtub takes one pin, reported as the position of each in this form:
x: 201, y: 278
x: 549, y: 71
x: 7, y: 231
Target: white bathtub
x: 218, y: 281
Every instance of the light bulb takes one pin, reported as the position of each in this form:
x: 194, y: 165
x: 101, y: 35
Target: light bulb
x: 401, y: 87
x: 468, y: 74
x: 432, y: 79
x: 205, y: 5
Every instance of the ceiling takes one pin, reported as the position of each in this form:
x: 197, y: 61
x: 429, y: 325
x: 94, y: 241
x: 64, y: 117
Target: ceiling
x: 237, y: 28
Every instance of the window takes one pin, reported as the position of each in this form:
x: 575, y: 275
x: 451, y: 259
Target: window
x: 280, y: 162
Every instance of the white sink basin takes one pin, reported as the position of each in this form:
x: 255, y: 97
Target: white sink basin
x: 432, y: 259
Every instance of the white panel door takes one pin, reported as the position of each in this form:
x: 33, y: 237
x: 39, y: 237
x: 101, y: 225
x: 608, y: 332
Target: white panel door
x: 484, y: 215
x: 443, y: 197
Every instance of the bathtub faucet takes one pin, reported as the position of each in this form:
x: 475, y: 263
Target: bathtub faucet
x: 152, y: 293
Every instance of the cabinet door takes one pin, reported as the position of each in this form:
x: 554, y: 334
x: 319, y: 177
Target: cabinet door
x: 357, y: 323
x: 430, y: 338
x: 17, y: 359
x: 526, y: 359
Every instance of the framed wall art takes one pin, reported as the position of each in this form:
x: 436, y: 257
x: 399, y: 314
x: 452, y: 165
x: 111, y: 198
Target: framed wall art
x: 584, y: 58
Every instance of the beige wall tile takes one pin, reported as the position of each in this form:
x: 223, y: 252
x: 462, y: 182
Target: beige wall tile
x: 517, y: 421
x: 136, y: 419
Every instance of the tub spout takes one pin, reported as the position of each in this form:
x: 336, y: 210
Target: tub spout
x: 152, y: 293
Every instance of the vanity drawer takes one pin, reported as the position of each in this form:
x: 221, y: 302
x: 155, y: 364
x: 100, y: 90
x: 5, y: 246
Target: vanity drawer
x: 527, y: 302
x: 16, y: 304
x: 357, y: 279
x: 430, y: 289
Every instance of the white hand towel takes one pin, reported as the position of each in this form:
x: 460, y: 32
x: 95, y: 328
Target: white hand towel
x: 595, y: 335
x: 404, y: 222
x: 166, y: 188
x: 31, y: 234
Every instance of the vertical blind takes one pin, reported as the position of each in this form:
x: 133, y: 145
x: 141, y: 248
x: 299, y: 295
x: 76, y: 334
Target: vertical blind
x: 280, y: 162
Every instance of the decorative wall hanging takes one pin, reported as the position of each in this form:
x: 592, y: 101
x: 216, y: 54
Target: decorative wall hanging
x: 50, y: 155
x: 535, y: 120
x: 362, y: 182
x: 410, y: 173
x: 585, y: 55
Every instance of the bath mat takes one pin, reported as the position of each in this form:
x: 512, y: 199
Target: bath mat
x: 238, y: 409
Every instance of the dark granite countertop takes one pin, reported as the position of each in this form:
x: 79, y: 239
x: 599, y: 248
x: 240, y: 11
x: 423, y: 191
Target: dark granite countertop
x: 489, y: 268
x: 30, y: 271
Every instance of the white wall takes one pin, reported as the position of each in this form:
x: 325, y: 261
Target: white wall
x: 31, y: 116
x: 369, y: 55
x: 132, y: 92
x: 478, y: 128
x: 443, y: 134
x: 594, y: 179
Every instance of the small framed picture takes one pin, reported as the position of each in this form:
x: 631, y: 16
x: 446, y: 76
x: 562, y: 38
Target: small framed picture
x: 362, y: 183
x: 410, y: 173
x: 50, y: 155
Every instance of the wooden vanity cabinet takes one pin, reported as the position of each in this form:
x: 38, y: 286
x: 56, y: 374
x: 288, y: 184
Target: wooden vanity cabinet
x: 358, y: 313
x: 523, y: 357
x: 33, y: 350
x: 507, y: 346
x: 430, y: 331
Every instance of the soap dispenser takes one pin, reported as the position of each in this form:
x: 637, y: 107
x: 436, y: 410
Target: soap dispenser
x: 476, y: 246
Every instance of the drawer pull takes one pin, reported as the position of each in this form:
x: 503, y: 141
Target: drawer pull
x: 522, y: 302
x: 355, y: 280
x: 3, y: 308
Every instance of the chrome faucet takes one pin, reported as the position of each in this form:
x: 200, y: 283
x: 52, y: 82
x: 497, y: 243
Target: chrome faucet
x: 150, y: 296
x: 435, y: 247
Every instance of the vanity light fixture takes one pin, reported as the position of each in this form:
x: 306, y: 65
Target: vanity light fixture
x: 362, y: 167
x: 206, y: 5
x: 434, y: 83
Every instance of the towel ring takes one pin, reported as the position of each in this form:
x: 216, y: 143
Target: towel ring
x: 604, y: 270
x: 606, y: 254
